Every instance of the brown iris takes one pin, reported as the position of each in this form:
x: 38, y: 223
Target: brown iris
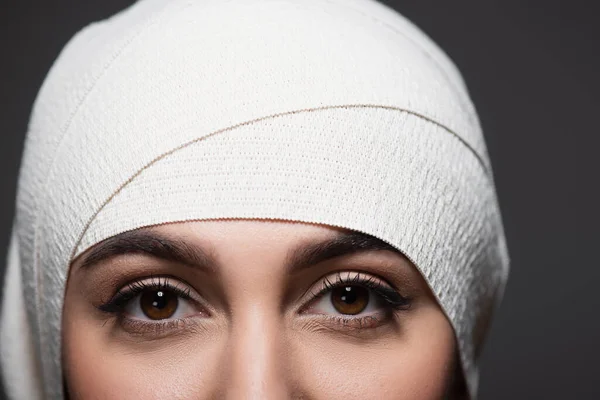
x: 350, y: 299
x: 158, y: 304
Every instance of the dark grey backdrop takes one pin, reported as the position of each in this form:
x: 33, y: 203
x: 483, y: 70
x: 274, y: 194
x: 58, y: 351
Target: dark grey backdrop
x: 531, y: 67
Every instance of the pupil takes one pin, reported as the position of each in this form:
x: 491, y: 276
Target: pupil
x: 350, y: 296
x: 159, y: 304
x: 350, y: 300
x: 159, y: 300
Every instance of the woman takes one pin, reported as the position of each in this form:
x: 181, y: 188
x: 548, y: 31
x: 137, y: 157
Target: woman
x: 252, y: 199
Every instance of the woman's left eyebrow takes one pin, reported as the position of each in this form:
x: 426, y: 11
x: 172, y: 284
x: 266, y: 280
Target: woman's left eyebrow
x: 345, y: 243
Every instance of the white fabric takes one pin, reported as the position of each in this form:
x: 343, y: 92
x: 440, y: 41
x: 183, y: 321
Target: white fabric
x: 331, y: 111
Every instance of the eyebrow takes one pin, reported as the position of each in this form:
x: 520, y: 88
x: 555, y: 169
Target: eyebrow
x: 345, y: 243
x: 305, y: 255
x: 143, y: 241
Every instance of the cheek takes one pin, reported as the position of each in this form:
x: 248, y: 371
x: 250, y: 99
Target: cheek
x: 416, y: 365
x: 171, y: 370
x: 100, y: 364
x: 412, y: 366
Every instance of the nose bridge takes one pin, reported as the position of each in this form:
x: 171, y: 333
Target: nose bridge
x: 256, y: 356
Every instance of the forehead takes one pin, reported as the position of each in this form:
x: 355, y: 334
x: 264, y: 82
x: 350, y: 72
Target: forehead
x: 228, y: 231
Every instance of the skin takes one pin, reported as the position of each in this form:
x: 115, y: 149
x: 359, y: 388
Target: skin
x: 253, y: 328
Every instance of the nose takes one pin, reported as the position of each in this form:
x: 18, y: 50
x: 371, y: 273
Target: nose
x: 256, y: 358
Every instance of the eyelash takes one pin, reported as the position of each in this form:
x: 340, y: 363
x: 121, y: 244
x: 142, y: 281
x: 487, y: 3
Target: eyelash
x: 133, y: 289
x: 393, y: 300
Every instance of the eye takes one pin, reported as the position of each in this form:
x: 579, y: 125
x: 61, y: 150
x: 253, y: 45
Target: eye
x: 348, y: 300
x: 353, y: 294
x: 158, y: 304
x: 154, y: 299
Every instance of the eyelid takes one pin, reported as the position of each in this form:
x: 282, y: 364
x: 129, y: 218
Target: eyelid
x: 346, y: 277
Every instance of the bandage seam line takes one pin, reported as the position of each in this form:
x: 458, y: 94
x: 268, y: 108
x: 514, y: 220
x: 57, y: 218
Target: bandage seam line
x: 427, y: 54
x: 256, y: 120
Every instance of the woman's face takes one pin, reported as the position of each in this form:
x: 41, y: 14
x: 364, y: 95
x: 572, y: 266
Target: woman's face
x: 252, y: 309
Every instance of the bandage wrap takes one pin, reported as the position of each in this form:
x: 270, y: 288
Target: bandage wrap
x: 338, y: 112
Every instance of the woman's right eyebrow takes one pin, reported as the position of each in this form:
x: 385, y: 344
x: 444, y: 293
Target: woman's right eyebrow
x: 143, y: 241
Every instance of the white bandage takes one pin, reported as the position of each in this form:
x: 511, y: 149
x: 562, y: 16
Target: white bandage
x: 338, y: 112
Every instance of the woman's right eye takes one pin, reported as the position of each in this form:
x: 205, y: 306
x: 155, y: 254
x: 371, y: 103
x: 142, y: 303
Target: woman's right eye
x: 158, y: 299
x: 159, y: 304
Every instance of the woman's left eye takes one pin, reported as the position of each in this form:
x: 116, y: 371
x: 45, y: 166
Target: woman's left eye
x: 356, y: 299
x: 348, y: 300
x: 158, y: 304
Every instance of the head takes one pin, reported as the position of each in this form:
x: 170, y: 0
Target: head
x: 252, y: 199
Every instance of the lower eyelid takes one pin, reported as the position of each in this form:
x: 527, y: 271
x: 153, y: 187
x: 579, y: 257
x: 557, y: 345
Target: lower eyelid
x: 339, y: 324
x: 157, y: 329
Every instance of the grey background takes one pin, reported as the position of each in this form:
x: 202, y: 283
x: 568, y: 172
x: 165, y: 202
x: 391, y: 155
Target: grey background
x: 531, y: 67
